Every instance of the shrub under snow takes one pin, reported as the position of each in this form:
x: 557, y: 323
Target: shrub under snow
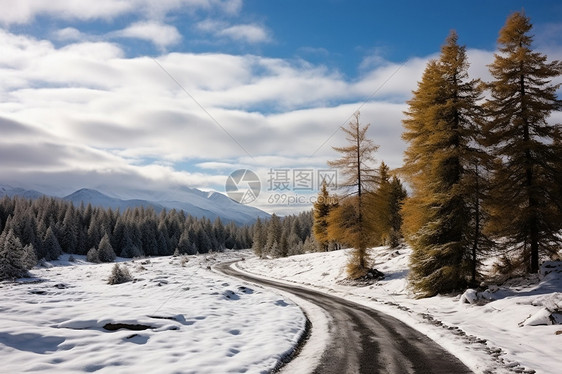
x: 119, y: 275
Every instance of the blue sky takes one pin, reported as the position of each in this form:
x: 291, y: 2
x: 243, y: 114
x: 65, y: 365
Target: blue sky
x: 117, y: 94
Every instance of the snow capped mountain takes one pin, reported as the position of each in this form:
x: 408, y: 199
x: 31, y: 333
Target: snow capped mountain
x: 191, y: 200
x: 97, y: 198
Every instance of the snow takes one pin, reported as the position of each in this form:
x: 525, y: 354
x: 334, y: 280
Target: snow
x: 184, y: 317
x: 180, y: 317
x: 508, y: 328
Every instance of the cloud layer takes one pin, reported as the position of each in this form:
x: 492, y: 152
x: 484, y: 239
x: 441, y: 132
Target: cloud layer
x: 80, y: 111
x: 26, y: 11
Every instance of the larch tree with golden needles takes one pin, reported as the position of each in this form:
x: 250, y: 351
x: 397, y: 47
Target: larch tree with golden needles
x: 442, y: 131
x: 385, y: 205
x: 348, y: 223
x: 525, y: 206
x: 322, y: 207
x: 379, y: 200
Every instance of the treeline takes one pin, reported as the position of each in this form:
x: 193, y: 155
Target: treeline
x: 281, y: 237
x: 53, y: 226
x: 44, y: 228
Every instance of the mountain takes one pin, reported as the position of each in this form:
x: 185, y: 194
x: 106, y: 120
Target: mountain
x: 97, y: 198
x: 10, y: 191
x: 214, y: 204
x: 191, y: 200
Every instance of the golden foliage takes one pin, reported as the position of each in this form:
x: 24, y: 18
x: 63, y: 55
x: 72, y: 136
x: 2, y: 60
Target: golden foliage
x: 322, y: 207
x: 442, y: 129
x: 525, y: 206
x: 348, y: 222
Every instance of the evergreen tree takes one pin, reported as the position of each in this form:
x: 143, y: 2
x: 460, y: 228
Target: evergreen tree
x: 185, y: 245
x: 359, y: 179
x: 283, y: 243
x: 379, y: 200
x: 69, y: 231
x: 29, y: 235
x: 525, y: 208
x: 12, y: 257
x: 442, y: 130
x: 105, y: 250
x: 128, y: 248
x: 29, y: 256
x: 398, y: 195
x: 94, y: 231
x: 219, y: 232
x: 51, y: 245
x: 323, y: 205
x: 118, y: 236
x: 149, y: 235
x: 274, y: 232
x: 93, y: 255
x: 203, y: 242
x: 259, y: 238
x: 309, y: 245
x: 162, y: 242
x: 135, y: 233
x: 164, y: 237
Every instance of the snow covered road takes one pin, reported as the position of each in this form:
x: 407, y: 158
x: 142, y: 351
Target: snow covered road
x: 362, y: 340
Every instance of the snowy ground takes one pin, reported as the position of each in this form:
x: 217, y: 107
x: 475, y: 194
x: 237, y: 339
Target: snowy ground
x: 505, y: 329
x: 197, y: 321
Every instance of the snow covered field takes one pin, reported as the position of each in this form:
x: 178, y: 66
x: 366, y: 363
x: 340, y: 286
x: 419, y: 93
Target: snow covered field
x: 176, y: 317
x: 506, y: 328
x: 197, y: 321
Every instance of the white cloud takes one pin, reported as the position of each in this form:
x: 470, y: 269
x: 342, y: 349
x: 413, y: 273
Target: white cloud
x: 87, y: 114
x: 158, y: 33
x: 25, y: 11
x: 100, y: 117
x: 548, y: 36
x: 248, y: 33
x: 70, y: 34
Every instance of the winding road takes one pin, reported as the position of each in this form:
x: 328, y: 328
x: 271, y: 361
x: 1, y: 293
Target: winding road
x: 363, y: 340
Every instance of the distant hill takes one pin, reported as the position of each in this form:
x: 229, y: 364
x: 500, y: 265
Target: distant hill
x: 10, y: 191
x: 193, y: 201
x: 97, y: 198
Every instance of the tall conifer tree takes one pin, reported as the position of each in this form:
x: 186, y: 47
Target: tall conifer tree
x: 12, y: 257
x: 525, y: 205
x: 380, y: 202
x: 350, y: 218
x: 441, y: 127
x: 397, y: 197
x: 323, y: 205
x: 259, y: 238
